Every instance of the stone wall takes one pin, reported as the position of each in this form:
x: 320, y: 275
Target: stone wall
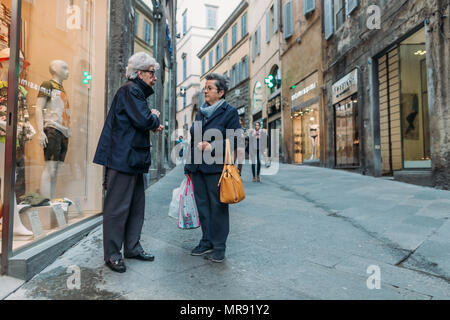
x: 354, y: 46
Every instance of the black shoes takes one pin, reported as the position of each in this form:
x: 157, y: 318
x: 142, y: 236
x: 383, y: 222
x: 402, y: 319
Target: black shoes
x: 117, y: 266
x: 199, y: 250
x: 143, y: 256
x: 217, y: 256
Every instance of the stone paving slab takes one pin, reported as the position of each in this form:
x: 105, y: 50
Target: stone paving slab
x: 305, y: 233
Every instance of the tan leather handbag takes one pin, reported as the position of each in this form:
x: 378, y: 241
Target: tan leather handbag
x: 230, y: 183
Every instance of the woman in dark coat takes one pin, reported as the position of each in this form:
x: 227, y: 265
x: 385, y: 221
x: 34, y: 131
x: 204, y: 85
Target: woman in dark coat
x: 216, y: 115
x: 124, y: 150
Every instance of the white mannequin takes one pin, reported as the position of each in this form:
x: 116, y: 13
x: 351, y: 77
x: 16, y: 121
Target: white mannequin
x: 313, y: 133
x: 60, y: 72
x: 19, y: 229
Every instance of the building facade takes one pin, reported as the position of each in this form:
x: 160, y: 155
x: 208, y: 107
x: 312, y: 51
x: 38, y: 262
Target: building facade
x: 302, y: 78
x: 227, y: 54
x: 386, y: 70
x: 266, y: 70
x: 197, y: 22
x: 62, y: 93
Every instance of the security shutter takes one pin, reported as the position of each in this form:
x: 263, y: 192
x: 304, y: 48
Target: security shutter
x: 287, y: 11
x: 309, y: 6
x: 329, y: 18
x: 390, y: 123
x: 350, y: 5
x: 275, y: 16
x: 268, y: 31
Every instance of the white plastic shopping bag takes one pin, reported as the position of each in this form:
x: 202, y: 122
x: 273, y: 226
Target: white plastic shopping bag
x: 175, y: 203
x: 187, y: 212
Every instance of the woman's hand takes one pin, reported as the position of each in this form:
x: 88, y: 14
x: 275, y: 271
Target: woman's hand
x: 160, y: 128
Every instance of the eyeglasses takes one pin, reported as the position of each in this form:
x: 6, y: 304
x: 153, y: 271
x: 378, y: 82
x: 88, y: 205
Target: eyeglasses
x: 210, y: 89
x: 152, y: 72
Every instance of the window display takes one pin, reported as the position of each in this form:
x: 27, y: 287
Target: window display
x: 347, y: 134
x: 414, y: 102
x: 62, y: 44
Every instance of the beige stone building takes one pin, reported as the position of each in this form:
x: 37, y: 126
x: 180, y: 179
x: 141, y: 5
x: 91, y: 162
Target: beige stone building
x: 302, y: 79
x: 265, y: 67
x: 197, y: 22
x: 227, y: 53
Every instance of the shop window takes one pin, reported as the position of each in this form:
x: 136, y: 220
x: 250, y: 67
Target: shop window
x: 415, y: 121
x: 347, y: 133
x: 60, y: 106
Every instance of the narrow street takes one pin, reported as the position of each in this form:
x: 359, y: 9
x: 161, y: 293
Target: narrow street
x: 304, y: 233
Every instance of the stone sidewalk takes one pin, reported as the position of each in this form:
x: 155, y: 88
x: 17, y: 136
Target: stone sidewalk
x: 303, y: 233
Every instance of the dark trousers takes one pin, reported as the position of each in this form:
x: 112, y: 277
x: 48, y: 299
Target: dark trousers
x: 256, y: 165
x: 123, y: 214
x: 214, y: 215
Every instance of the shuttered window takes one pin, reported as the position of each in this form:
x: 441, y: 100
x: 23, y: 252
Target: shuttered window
x: 287, y: 13
x: 225, y: 44
x: 203, y: 65
x: 244, y: 25
x: 309, y: 6
x: 253, y: 47
x: 211, y: 62
x: 350, y: 5
x: 234, y: 35
x: 275, y: 16
x: 268, y: 30
x: 329, y: 18
x: 258, y: 40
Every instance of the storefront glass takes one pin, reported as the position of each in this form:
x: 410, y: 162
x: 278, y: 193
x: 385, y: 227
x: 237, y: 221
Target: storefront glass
x: 414, y: 103
x: 306, y: 119
x: 347, y: 134
x: 306, y: 134
x: 61, y: 110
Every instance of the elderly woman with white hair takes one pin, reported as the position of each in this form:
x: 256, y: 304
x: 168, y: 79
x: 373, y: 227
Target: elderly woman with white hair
x: 124, y: 150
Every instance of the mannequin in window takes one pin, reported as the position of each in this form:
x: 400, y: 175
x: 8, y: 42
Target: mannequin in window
x: 53, y: 120
x: 24, y: 130
x: 313, y: 134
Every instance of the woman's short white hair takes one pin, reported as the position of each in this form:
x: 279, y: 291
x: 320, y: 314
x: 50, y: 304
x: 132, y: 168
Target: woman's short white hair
x: 140, y: 61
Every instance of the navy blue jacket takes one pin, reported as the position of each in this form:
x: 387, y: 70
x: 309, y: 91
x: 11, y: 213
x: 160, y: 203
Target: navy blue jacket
x: 124, y: 144
x: 225, y: 117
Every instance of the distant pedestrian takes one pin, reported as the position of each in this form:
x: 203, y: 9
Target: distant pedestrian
x: 124, y: 150
x: 245, y: 138
x: 257, y: 147
x: 182, y: 151
x: 216, y: 114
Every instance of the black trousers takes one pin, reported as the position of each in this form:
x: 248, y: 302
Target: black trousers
x: 256, y: 165
x: 214, y: 215
x: 123, y: 214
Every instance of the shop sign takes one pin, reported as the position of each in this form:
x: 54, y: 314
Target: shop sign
x: 241, y: 111
x: 345, y: 87
x: 305, y: 91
